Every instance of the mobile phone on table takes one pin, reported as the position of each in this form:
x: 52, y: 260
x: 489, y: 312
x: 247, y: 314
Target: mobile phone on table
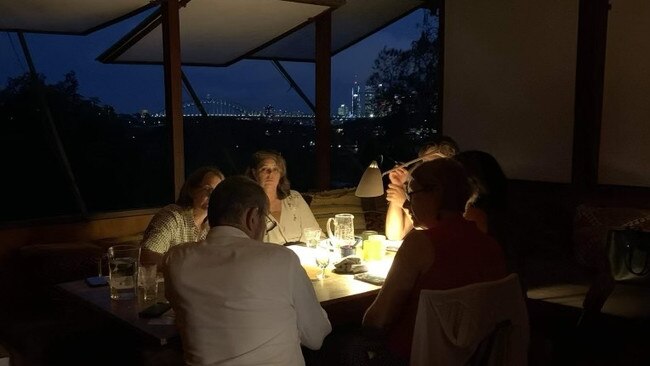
x: 155, y: 310
x: 366, y: 277
x: 97, y: 281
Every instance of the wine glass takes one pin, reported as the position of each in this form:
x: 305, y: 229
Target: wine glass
x: 322, y: 257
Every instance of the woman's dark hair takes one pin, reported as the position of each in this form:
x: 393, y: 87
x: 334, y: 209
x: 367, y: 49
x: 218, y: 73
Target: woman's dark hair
x: 257, y: 160
x: 486, y: 178
x: 193, y: 182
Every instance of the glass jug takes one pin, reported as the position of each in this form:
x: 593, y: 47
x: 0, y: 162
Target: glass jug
x: 343, y: 234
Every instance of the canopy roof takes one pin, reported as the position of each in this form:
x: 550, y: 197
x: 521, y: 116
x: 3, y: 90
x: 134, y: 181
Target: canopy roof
x: 351, y: 23
x: 220, y: 33
x: 216, y: 32
x: 65, y: 16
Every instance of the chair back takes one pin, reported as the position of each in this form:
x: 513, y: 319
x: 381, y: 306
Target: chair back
x: 491, y: 349
x: 480, y: 324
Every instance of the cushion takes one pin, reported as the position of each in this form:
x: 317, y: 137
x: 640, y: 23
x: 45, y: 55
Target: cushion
x: 591, y: 225
x: 106, y: 243
x: 60, y: 262
x: 326, y: 204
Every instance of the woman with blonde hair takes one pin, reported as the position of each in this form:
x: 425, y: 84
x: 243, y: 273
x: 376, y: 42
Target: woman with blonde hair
x: 289, y: 213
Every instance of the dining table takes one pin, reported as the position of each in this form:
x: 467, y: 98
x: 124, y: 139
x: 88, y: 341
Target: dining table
x: 343, y: 297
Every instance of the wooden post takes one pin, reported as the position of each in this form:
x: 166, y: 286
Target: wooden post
x: 173, y: 87
x: 590, y: 78
x: 323, y: 96
x: 439, y: 5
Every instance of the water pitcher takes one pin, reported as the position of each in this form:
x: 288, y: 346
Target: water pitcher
x: 343, y: 234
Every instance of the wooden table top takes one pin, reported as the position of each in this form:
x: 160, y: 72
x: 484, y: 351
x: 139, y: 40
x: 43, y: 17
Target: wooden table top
x: 334, y: 289
x: 123, y: 310
x: 337, y: 287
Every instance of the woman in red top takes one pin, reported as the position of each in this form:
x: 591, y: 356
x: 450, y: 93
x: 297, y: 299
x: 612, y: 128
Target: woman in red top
x: 444, y: 252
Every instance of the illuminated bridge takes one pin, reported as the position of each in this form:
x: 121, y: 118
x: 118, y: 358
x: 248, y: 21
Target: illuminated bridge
x: 224, y: 108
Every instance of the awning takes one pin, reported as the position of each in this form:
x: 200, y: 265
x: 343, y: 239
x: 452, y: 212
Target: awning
x: 216, y: 33
x: 351, y: 23
x: 66, y: 16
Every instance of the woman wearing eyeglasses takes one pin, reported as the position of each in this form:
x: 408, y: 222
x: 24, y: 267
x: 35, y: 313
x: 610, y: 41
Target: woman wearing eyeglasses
x: 289, y: 213
x: 444, y: 251
x: 182, y: 222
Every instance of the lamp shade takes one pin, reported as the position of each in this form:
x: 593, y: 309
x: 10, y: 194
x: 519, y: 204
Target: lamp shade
x: 371, y: 183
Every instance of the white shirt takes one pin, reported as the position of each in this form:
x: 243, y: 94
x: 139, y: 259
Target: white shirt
x: 239, y: 301
x: 296, y: 216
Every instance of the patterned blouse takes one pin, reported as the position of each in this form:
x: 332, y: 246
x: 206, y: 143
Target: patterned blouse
x: 172, y: 225
x: 296, y: 216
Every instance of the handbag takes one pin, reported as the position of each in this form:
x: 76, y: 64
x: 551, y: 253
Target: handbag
x: 629, y: 255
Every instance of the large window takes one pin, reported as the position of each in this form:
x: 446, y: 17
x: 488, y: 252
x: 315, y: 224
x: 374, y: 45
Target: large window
x: 86, y: 135
x: 74, y: 138
x: 384, y: 105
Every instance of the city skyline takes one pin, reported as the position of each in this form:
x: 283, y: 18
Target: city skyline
x: 361, y: 105
x: 252, y: 83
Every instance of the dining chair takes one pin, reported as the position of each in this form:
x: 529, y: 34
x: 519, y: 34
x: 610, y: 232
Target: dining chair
x: 480, y: 324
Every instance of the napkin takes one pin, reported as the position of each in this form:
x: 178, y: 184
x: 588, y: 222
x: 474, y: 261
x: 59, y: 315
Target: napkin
x: 350, y: 264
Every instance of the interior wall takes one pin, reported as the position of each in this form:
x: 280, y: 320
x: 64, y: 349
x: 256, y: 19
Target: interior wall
x: 625, y: 132
x: 509, y: 82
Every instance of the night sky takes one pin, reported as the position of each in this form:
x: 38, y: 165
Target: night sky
x: 251, y: 83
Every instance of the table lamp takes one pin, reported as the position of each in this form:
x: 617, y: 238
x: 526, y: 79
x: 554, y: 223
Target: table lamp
x: 371, y: 183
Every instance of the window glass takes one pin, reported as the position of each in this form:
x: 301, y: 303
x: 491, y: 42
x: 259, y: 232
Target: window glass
x: 384, y: 106
x: 94, y: 136
x: 80, y: 125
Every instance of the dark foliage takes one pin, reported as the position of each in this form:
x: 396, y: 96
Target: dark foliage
x: 407, y: 81
x: 110, y: 158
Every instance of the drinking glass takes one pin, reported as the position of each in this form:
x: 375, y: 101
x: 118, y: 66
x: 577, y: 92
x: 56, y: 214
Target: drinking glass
x: 123, y: 271
x: 148, y: 281
x: 322, y: 257
x: 374, y: 248
x: 311, y: 236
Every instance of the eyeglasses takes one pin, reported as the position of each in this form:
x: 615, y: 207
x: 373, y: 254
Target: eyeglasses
x: 270, y: 223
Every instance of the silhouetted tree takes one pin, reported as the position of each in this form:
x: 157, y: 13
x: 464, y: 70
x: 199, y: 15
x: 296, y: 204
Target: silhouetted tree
x: 116, y: 164
x: 406, y: 81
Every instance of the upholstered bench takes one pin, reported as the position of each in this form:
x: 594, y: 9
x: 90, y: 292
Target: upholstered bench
x: 625, y: 301
x: 60, y: 262
x: 591, y: 226
x: 596, y: 318
x: 369, y: 213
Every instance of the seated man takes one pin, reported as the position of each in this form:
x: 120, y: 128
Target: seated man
x: 239, y: 301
